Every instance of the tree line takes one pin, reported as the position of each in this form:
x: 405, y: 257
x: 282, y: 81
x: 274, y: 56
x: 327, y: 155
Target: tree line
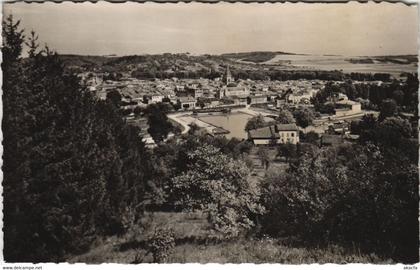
x: 73, y: 169
x: 370, y: 95
x: 329, y: 196
x: 260, y: 74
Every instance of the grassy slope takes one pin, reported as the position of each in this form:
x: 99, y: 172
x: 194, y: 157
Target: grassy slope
x: 256, y: 57
x: 191, y: 230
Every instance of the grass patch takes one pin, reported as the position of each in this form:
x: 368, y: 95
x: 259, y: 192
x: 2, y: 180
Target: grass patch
x: 267, y: 251
x: 177, y: 125
x: 191, y: 233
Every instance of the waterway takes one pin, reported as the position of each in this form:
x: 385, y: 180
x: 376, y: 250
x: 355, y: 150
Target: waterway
x: 233, y: 122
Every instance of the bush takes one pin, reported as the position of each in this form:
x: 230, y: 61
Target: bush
x: 329, y: 196
x: 218, y: 185
x: 161, y: 244
x: 73, y: 170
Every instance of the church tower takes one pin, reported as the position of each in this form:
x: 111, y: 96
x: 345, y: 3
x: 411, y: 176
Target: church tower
x: 228, y: 76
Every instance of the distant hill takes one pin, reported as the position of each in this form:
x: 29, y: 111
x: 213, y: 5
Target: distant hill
x: 397, y: 59
x: 184, y: 65
x: 255, y: 57
x: 158, y: 63
x: 385, y: 59
x: 83, y: 60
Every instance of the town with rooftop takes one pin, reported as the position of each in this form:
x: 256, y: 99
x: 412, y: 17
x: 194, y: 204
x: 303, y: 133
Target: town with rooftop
x: 223, y: 133
x: 222, y: 104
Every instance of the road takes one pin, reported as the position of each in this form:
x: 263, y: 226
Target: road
x: 182, y: 119
x: 186, y: 118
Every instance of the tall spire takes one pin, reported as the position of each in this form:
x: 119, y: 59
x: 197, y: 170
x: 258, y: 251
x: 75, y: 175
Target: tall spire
x: 228, y: 76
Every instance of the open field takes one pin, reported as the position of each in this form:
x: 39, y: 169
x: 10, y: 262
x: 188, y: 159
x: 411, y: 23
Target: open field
x: 346, y: 64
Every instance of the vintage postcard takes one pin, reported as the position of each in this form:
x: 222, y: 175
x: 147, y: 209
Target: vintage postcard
x: 280, y: 133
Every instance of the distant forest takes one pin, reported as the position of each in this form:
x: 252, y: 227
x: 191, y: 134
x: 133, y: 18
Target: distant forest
x: 184, y: 66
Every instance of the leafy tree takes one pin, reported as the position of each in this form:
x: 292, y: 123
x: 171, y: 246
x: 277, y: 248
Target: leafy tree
x: 398, y: 96
x: 201, y: 104
x: 219, y: 186
x: 32, y: 44
x: 304, y: 117
x: 285, y: 117
x: 159, y: 125
x: 287, y: 150
x: 13, y: 39
x: 73, y: 170
x: 137, y: 110
x: 264, y: 155
x: 114, y: 97
x: 243, y: 147
x: 256, y: 122
x: 392, y: 130
x: 177, y: 106
x: 366, y: 127
x: 166, y: 100
x: 311, y: 137
x: 355, y: 127
x: 161, y: 244
x: 388, y: 108
x: 329, y: 196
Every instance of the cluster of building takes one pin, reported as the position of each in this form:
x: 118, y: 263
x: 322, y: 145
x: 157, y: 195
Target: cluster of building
x: 335, y: 134
x: 190, y: 94
x: 224, y: 92
x: 275, y: 134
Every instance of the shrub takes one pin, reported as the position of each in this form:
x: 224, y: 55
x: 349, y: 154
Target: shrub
x: 218, y: 185
x: 160, y: 244
x: 329, y: 196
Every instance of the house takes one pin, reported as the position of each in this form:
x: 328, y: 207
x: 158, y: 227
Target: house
x: 207, y: 102
x: 195, y: 92
x: 149, y: 142
x: 280, y: 103
x: 276, y: 134
x: 239, y: 100
x: 257, y: 99
x: 347, y: 107
x: 302, y: 97
x: 153, y: 98
x: 338, y: 128
x: 233, y: 90
x: 342, y: 97
x: 187, y: 103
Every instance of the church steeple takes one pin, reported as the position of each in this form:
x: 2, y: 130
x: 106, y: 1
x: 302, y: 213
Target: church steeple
x: 228, y: 76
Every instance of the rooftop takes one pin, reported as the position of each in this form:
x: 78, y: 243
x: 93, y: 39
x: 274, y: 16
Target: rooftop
x: 287, y: 127
x: 271, y: 132
x: 347, y: 102
x: 264, y: 133
x: 186, y: 99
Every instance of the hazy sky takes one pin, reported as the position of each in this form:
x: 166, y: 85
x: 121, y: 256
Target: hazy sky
x: 133, y: 28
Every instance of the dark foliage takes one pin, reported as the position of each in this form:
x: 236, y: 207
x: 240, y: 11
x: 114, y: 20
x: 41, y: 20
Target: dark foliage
x: 371, y: 95
x: 159, y: 125
x: 73, y: 170
x: 329, y: 196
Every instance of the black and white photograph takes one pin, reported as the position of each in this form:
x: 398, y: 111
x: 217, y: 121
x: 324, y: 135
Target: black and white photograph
x: 278, y: 133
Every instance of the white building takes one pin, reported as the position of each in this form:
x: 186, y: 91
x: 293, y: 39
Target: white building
x: 277, y: 134
x: 304, y: 97
x: 347, y: 107
x: 154, y: 98
x: 187, y: 103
